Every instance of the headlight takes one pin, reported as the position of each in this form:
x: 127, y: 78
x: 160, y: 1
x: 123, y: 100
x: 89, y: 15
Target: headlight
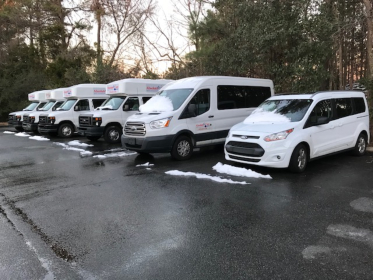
x: 32, y: 119
x: 97, y: 121
x: 278, y: 136
x: 160, y: 123
x: 51, y: 120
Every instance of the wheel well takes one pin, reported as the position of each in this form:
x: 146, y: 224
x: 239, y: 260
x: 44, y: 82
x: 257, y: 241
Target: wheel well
x: 308, y: 148
x: 113, y: 124
x: 365, y: 133
x: 185, y: 133
x: 69, y: 122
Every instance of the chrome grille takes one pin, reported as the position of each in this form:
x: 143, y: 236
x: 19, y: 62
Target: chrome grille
x: 26, y: 119
x: 85, y: 121
x: 135, y: 129
x: 42, y: 119
x: 245, y: 136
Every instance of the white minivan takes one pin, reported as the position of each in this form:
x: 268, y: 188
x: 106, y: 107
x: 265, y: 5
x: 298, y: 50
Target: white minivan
x: 193, y: 112
x: 290, y: 130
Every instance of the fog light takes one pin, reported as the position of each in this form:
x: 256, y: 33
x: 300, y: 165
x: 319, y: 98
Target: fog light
x: 278, y: 157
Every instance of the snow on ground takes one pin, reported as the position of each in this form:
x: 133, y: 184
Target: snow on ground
x: 260, y: 116
x: 238, y: 171
x: 22, y: 134
x: 38, y: 138
x: 78, y: 143
x: 145, y: 164
x: 157, y: 103
x: 9, y: 132
x: 67, y: 147
x: 111, y: 155
x: 86, y: 153
x: 204, y: 176
x: 148, y: 168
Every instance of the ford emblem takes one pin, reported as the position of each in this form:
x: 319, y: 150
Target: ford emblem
x: 244, y: 137
x: 133, y: 128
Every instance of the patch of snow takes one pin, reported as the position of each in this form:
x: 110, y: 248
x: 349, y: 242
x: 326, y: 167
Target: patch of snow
x: 145, y: 164
x: 38, y: 138
x: 74, y: 149
x: 100, y: 156
x: 260, y: 116
x: 363, y: 204
x: 78, y: 143
x: 157, y: 103
x: 311, y: 251
x: 124, y: 154
x: 9, y: 132
x: 148, y: 168
x: 22, y: 134
x: 86, y: 153
x: 350, y: 232
x: 204, y: 176
x: 238, y: 171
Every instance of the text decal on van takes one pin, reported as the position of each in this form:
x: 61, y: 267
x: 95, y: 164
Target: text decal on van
x: 31, y: 97
x: 112, y: 88
x: 99, y: 91
x: 203, y: 126
x: 48, y: 95
x: 67, y: 93
x: 153, y: 88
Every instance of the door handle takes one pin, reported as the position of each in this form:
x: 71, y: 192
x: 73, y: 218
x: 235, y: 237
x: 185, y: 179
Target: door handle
x: 211, y: 116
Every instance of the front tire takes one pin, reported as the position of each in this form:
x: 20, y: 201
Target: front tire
x: 182, y: 148
x: 112, y: 134
x: 299, y: 159
x: 65, y: 130
x: 360, y: 146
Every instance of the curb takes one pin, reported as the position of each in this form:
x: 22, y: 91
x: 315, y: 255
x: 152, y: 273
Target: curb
x: 370, y: 149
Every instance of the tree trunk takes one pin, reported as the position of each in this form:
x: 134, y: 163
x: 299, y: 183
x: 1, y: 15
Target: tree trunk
x: 369, y: 21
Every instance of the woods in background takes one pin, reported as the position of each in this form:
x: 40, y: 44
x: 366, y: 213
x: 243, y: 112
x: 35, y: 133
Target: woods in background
x: 302, y: 45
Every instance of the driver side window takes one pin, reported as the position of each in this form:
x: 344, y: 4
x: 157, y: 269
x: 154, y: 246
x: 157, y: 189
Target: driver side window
x: 198, y: 105
x: 132, y: 104
x: 82, y: 105
x: 322, y: 109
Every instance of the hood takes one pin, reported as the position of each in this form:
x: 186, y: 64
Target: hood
x: 101, y: 113
x: 263, y: 127
x: 20, y: 113
x: 56, y: 113
x: 148, y: 117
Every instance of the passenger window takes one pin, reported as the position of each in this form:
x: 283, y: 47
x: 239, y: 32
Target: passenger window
x: 82, y: 105
x: 322, y: 109
x: 343, y: 107
x: 131, y: 104
x: 235, y: 97
x: 97, y: 102
x: 145, y: 99
x: 198, y: 105
x: 359, y: 105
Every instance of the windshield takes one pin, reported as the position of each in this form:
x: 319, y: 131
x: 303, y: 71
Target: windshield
x: 31, y: 107
x: 177, y: 96
x: 293, y: 109
x: 67, y: 105
x: 47, y: 106
x: 113, y: 103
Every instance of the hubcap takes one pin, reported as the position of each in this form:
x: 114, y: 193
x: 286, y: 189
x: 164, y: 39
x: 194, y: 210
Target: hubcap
x: 361, y: 145
x: 114, y: 134
x: 66, y: 130
x: 302, y: 159
x: 183, y: 148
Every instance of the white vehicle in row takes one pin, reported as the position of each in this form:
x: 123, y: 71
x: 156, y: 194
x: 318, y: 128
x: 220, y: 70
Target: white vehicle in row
x: 37, y: 99
x: 65, y: 120
x: 193, y: 112
x: 126, y: 96
x: 54, y: 100
x: 290, y: 130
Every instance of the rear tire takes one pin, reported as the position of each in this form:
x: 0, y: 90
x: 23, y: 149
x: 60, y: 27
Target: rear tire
x: 182, y: 148
x: 360, y: 146
x: 65, y: 130
x: 299, y: 159
x: 112, y: 134
x: 93, y: 138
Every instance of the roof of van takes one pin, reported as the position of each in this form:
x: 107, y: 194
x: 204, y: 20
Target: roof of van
x: 194, y: 82
x: 85, y: 90
x: 55, y: 94
x: 135, y: 86
x: 320, y: 94
x: 37, y: 95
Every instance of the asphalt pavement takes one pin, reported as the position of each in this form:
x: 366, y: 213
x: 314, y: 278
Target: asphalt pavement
x: 65, y: 214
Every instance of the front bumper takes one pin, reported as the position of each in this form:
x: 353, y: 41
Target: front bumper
x: 30, y: 126
x: 16, y: 124
x: 91, y: 130
x: 48, y: 128
x: 155, y: 144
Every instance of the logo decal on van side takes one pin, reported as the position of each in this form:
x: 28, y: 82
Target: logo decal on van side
x: 99, y: 91
x: 67, y: 93
x: 112, y: 88
x: 48, y: 95
x: 153, y: 88
x: 31, y: 96
x: 203, y: 126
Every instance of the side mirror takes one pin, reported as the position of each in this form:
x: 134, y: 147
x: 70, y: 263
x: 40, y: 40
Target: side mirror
x: 126, y: 107
x: 76, y: 108
x: 322, y: 120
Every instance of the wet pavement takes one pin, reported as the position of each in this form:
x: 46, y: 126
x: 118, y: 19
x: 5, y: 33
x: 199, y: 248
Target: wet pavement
x: 67, y: 215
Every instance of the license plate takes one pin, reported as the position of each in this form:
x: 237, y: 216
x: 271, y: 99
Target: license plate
x: 131, y: 141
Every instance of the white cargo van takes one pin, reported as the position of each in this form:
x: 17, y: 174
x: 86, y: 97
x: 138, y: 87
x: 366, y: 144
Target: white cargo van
x: 125, y: 98
x: 37, y: 99
x: 54, y: 100
x: 65, y: 120
x: 193, y: 112
x: 290, y: 130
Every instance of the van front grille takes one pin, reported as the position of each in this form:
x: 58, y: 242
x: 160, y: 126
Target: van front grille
x: 134, y: 129
x: 244, y: 159
x: 244, y: 149
x: 85, y: 121
x: 42, y: 119
x: 26, y: 119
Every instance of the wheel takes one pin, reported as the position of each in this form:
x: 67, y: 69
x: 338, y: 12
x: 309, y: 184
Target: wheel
x: 112, y: 134
x: 93, y: 138
x: 360, y: 146
x: 299, y: 159
x: 65, y: 130
x: 182, y: 148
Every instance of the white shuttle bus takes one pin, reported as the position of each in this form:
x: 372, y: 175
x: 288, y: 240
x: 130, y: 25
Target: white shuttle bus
x: 37, y: 99
x: 65, y: 120
x: 193, y: 112
x: 54, y: 100
x: 126, y: 96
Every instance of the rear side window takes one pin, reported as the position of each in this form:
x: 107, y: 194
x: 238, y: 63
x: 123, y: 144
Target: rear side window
x: 343, y: 107
x: 359, y: 105
x: 236, y: 97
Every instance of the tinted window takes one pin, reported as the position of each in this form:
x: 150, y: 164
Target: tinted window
x: 83, y: 105
x: 234, y: 97
x: 359, y: 105
x: 57, y: 105
x: 322, y: 109
x: 132, y: 103
x: 97, y: 102
x: 198, y: 105
x: 343, y: 107
x: 145, y: 99
x: 41, y: 105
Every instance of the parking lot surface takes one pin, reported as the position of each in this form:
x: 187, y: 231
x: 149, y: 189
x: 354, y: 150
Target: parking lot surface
x: 69, y: 211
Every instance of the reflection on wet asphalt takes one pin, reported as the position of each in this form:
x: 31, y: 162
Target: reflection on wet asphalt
x: 101, y: 212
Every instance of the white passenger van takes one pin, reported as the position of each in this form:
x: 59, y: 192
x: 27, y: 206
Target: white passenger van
x: 65, y: 120
x: 54, y: 100
x: 193, y: 112
x: 289, y: 130
x: 126, y: 96
x: 37, y: 99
